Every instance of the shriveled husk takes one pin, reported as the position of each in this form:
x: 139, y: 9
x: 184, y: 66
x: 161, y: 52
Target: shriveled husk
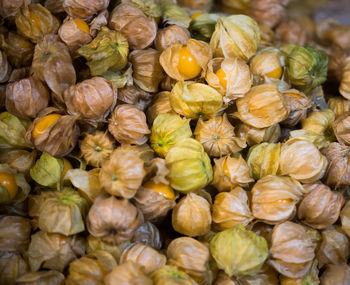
x: 26, y: 98
x: 12, y: 266
x: 121, y: 79
x: 274, y: 198
x: 195, y: 100
x: 14, y: 234
x: 139, y: 30
x: 172, y: 34
x: 311, y: 277
x: 51, y: 277
x: 290, y: 31
x: 202, y: 26
x: 344, y: 87
x: 320, y: 208
x: 299, y: 104
x: 257, y: 135
x: 345, y: 218
x: 292, y: 250
x: 91, y: 268
x: 122, y: 174
x: 18, y: 159
x: 189, y: 166
x: 235, y: 36
x: 5, y: 68
x: 218, y: 137
x: 54, y: 6
x: 339, y: 105
x: 35, y: 21
x: 147, y: 71
x: 107, y: 51
x: 143, y: 151
x: 10, y: 8
x: 128, y: 125
x: 268, y: 12
x: 191, y: 216
x: 113, y: 220
x: 262, y: 107
x: 127, y: 273
x: 98, y: 22
x: 133, y: 95
x: 149, y: 7
x: 336, y: 274
x: 192, y: 257
x: 301, y: 160
x: 84, y: 8
x: 238, y: 76
x: 264, y: 159
x: 230, y: 172
x: 341, y: 127
x: 148, y: 234
x: 170, y: 274
x: 231, y: 208
x: 53, y: 251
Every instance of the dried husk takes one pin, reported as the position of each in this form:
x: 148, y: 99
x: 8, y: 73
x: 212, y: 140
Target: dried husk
x: 2, y: 95
x: 54, y: 6
x: 341, y: 128
x: 301, y: 160
x: 231, y: 208
x: 267, y: 35
x: 18, y: 159
x: 53, y: 251
x: 330, y: 31
x: 291, y: 254
x: 171, y: 275
x: 149, y: 7
x: 262, y: 107
x: 123, y: 78
x: 5, y: 69
x: 148, y: 234
x: 35, y: 21
x: 91, y: 268
x: 168, y: 83
x: 12, y: 266
x: 311, y: 277
x: 143, y: 151
x: 339, y: 105
x: 345, y: 218
x: 191, y: 216
x: 268, y: 12
x: 147, y: 71
x: 344, y: 87
x: 26, y: 98
x: 98, y: 22
x: 113, y: 220
x: 290, y: 31
x: 172, y: 34
x: 51, y: 277
x: 203, y: 25
x: 122, y: 174
x: 257, y: 135
x: 230, y: 172
x: 197, y: 5
x: 18, y: 74
x: 133, y: 95
x: 336, y: 274
x: 9, y: 8
x: 127, y: 273
x: 128, y: 125
x: 274, y: 198
x: 320, y: 208
x: 174, y: 14
x: 84, y: 8
x: 139, y: 30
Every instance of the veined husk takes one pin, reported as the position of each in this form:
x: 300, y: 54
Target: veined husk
x: 171, y: 35
x: 53, y: 251
x: 148, y: 234
x: 9, y: 8
x: 301, y: 160
x: 195, y: 100
x: 149, y: 7
x: 139, y: 30
x: 54, y: 6
x: 18, y: 159
x: 51, y: 277
x: 267, y: 63
x: 174, y: 14
x: 168, y: 83
x: 231, y: 208
x: 262, y: 107
x: 197, y: 5
x: 291, y: 254
x: 339, y: 105
x: 171, y: 275
x: 310, y: 278
x: 238, y: 75
x: 256, y: 136
x: 35, y: 21
x: 344, y: 87
x: 267, y: 35
x: 142, y: 151
x: 121, y: 79
x: 189, y: 166
x: 274, y: 198
x: 133, y: 95
x: 203, y: 26
x: 12, y: 266
x: 334, y: 274
x: 107, y: 51
x: 191, y: 216
x: 235, y: 36
x: 98, y: 22
x: 91, y: 268
x: 268, y: 12
x: 345, y: 218
x: 230, y: 172
x: 5, y: 68
x: 169, y: 59
x: 113, y: 220
x: 290, y: 31
x: 341, y: 128
x: 84, y: 8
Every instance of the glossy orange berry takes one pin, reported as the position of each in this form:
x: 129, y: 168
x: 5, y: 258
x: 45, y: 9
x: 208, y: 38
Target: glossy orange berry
x: 222, y: 77
x: 188, y: 66
x: 161, y: 188
x: 41, y: 126
x: 8, y: 181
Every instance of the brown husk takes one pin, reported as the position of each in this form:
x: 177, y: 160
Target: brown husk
x: 171, y: 35
x: 51, y: 277
x: 19, y: 159
x: 12, y: 266
x: 341, y: 128
x: 134, y: 96
x: 268, y: 12
x: 344, y: 87
x: 84, y: 8
x: 9, y: 8
x: 5, y: 68
x: 291, y: 32
x: 160, y: 105
x: 339, y: 105
x: 257, y: 135
x: 336, y: 274
x: 171, y: 275
x: 148, y: 234
x: 98, y: 22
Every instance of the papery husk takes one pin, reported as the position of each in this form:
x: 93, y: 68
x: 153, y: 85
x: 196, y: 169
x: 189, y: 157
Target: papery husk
x: 26, y: 98
x: 98, y: 22
x: 311, y: 278
x: 339, y: 105
x: 203, y: 25
x: 18, y: 159
x: 174, y: 14
x: 341, y: 129
x: 145, y: 256
x: 53, y: 251
x: 189, y: 166
x: 121, y: 79
x: 2, y: 95
x: 84, y: 8
x: 344, y: 87
x: 133, y: 95
x: 160, y: 105
x: 113, y: 220
x: 235, y: 36
x: 191, y: 216
x: 51, y: 277
x: 197, y: 5
x: 268, y: 12
x: 54, y: 6
x: 139, y: 30
x: 122, y: 174
x: 142, y: 151
x: 301, y: 160
x: 291, y: 31
x: 262, y: 107
x: 231, y: 208
x: 171, y: 275
x: 336, y: 274
x: 267, y: 35
x: 5, y: 69
x: 330, y: 31
x: 18, y: 74
x: 127, y: 273
x: 149, y: 7
x: 345, y: 218
x: 230, y: 172
x: 14, y: 234
x: 172, y: 34
x: 320, y: 208
x: 148, y: 234
x: 168, y: 83
x: 128, y: 125
x: 35, y: 21
x: 291, y: 254
x: 10, y: 8
x: 274, y: 198
x: 12, y: 266
x: 261, y: 229
x: 267, y: 275
x: 16, y: 208
x: 257, y: 135
x: 91, y: 268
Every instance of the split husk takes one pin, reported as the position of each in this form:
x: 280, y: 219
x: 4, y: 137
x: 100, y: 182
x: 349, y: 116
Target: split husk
x: 258, y: 135
x: 171, y: 35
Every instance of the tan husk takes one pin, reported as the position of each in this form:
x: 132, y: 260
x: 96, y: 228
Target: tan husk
x: 339, y: 105
x: 12, y: 266
x: 84, y: 8
x: 51, y: 277
x: 171, y: 35
x: 98, y: 22
x: 171, y: 275
x: 268, y: 12
x: 134, y: 96
x: 19, y: 159
x: 9, y: 8
x: 345, y: 218
x: 257, y: 135
x: 336, y: 274
x: 160, y: 105
x: 341, y: 128
x: 291, y: 32
x: 312, y: 277
x: 127, y: 273
x: 142, y: 151
x: 148, y: 234
x: 54, y: 6
x: 344, y: 87
x: 5, y: 68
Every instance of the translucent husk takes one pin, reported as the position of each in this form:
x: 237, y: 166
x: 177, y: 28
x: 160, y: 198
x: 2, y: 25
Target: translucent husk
x: 18, y: 159
x: 230, y: 172
x: 51, y: 277
x: 268, y: 12
x: 121, y: 79
x: 12, y: 266
x: 257, y: 136
x: 53, y: 251
x: 339, y: 105
x: 290, y: 31
x: 128, y: 125
x: 262, y: 107
x: 203, y: 26
x: 122, y: 174
x: 139, y: 30
x: 98, y: 22
x: 160, y: 105
x: 344, y: 87
x: 84, y: 8
x: 174, y: 14
x: 311, y: 278
x: 336, y: 274
x: 171, y: 35
x: 149, y: 7
x: 113, y: 220
x: 133, y: 95
x: 189, y: 166
x: 5, y: 68
x: 148, y: 234
x: 345, y: 218
x: 274, y: 198
x: 191, y: 216
x: 143, y: 151
x: 231, y: 208
x: 171, y: 275
x: 291, y: 254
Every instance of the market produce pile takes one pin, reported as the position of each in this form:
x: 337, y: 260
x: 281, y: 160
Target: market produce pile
x: 154, y: 142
